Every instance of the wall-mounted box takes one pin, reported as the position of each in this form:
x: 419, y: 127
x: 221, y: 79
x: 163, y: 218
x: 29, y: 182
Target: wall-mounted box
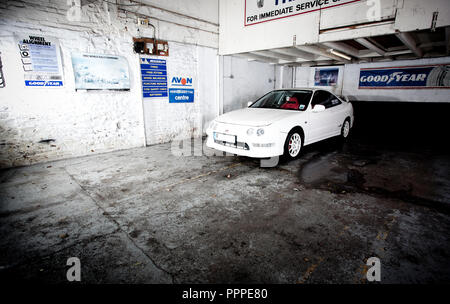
x: 150, y: 46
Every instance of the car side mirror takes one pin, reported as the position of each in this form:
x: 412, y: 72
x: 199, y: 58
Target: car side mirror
x: 249, y: 103
x: 345, y: 98
x: 318, y: 108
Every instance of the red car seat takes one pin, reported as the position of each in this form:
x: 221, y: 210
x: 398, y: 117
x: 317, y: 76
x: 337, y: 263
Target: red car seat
x: 291, y: 104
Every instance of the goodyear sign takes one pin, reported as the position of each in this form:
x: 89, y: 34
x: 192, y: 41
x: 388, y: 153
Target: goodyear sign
x: 259, y: 11
x: 154, y: 77
x: 41, y: 61
x: 413, y: 77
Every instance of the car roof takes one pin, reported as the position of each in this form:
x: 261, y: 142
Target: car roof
x: 307, y: 89
x: 301, y: 88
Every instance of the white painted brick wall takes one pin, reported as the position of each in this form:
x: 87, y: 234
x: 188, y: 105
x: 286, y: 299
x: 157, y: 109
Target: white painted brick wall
x: 80, y: 122
x: 166, y: 121
x: 245, y: 81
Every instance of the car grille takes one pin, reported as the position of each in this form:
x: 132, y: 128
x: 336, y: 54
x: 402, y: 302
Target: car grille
x: 237, y: 145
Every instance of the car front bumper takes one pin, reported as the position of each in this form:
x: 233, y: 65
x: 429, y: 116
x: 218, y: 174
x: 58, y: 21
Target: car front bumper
x: 270, y: 144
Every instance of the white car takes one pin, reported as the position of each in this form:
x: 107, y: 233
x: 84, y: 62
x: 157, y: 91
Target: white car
x: 281, y: 123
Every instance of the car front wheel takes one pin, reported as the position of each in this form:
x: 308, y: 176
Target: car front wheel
x: 293, y: 145
x: 345, y: 131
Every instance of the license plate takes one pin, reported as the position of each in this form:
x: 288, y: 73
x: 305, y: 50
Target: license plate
x: 225, y: 137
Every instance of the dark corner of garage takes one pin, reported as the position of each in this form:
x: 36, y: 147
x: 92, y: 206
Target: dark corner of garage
x: 224, y: 150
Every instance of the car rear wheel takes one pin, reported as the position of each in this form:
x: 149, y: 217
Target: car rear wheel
x: 293, y: 145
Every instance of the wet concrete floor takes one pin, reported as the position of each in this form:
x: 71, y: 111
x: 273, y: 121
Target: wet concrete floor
x: 144, y: 216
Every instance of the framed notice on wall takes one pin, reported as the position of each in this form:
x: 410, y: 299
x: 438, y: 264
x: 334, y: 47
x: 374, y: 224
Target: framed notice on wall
x: 326, y: 77
x: 100, y: 72
x: 41, y: 60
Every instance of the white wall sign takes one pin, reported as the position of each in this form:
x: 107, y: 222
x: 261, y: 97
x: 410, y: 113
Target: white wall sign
x: 100, y: 72
x: 41, y: 61
x: 259, y: 11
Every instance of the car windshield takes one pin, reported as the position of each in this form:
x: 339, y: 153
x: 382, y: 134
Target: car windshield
x: 284, y: 100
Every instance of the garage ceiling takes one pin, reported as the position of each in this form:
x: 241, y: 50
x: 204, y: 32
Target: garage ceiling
x: 399, y: 46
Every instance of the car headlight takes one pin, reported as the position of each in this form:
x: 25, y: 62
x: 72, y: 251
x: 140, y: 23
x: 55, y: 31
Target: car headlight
x: 250, y: 131
x: 213, y: 125
x: 260, y: 132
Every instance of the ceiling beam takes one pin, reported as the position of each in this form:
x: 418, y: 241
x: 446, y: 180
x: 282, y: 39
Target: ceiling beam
x: 431, y: 44
x: 301, y: 64
x: 325, y: 62
x: 313, y: 63
x: 371, y: 46
x: 347, y: 49
x: 252, y: 57
x: 408, y: 40
x: 370, y: 54
x: 396, y: 48
x: 291, y: 51
x: 319, y: 51
x: 410, y: 57
x: 271, y: 54
x: 398, y: 53
x: 433, y: 54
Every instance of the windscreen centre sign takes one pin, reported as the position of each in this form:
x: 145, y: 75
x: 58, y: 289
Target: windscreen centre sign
x: 259, y: 11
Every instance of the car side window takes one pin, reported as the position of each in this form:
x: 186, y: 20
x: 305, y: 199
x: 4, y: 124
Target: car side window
x: 321, y: 98
x: 326, y: 99
x: 334, y: 101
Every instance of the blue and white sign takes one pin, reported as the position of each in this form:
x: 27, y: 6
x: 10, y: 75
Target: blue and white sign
x: 181, y: 89
x: 182, y: 81
x: 41, y: 61
x: 154, y: 77
x: 414, y: 77
x: 178, y: 95
x: 34, y: 83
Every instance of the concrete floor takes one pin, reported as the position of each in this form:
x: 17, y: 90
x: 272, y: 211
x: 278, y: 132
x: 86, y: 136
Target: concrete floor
x: 144, y: 216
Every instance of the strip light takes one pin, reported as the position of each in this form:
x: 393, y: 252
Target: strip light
x: 339, y: 54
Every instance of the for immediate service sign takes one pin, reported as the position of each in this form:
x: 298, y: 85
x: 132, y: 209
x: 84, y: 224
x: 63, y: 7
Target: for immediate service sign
x: 258, y: 11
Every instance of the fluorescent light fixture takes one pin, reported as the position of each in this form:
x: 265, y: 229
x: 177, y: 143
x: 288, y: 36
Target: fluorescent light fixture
x: 339, y: 54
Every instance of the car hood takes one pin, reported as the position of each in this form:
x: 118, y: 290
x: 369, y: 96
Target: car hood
x: 255, y: 117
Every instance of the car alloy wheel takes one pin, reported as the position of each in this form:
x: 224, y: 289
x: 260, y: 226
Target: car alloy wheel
x: 294, y: 145
x: 346, y: 129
